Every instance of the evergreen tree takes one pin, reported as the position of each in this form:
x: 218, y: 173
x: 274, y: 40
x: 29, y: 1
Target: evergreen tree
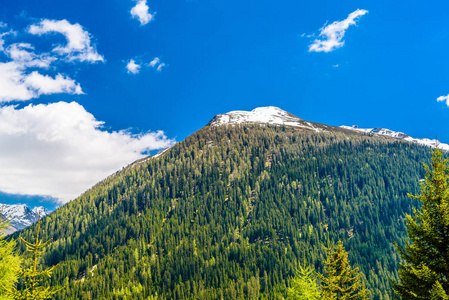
x: 340, y: 280
x: 304, y: 286
x: 425, y: 273
x: 9, y: 261
x: 32, y: 277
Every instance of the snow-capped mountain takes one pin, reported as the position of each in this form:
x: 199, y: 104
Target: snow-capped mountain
x: 399, y: 135
x: 276, y: 116
x: 21, y: 215
x: 270, y: 115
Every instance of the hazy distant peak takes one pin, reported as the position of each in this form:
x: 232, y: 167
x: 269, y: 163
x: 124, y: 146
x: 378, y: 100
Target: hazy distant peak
x: 399, y: 135
x: 21, y: 215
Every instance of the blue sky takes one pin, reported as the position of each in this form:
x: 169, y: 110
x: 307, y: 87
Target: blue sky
x: 71, y: 111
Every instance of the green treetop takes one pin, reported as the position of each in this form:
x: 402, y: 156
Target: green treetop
x: 340, y: 280
x: 304, y: 286
x: 31, y: 276
x: 9, y: 261
x: 425, y: 273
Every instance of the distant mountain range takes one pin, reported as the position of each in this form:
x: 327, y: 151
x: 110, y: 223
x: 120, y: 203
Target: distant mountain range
x: 21, y: 215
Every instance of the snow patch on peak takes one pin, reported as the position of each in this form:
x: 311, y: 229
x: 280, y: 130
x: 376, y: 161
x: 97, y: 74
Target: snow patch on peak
x: 21, y: 215
x: 266, y: 115
x: 399, y: 135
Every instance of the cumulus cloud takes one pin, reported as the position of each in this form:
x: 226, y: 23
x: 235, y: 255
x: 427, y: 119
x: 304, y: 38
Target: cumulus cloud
x: 61, y: 150
x: 16, y: 84
x: 140, y: 12
x: 132, y: 67
x: 331, y: 36
x: 78, y: 47
x: 21, y: 75
x: 444, y: 98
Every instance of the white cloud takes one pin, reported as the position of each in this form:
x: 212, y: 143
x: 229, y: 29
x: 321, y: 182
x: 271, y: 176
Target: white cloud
x: 331, y: 36
x: 154, y: 62
x: 46, y: 85
x: 444, y: 98
x: 2, y: 41
x: 60, y: 150
x: 132, y: 67
x: 140, y: 12
x: 19, y: 78
x: 78, y: 47
x: 22, y: 54
x: 159, y: 68
x: 16, y: 84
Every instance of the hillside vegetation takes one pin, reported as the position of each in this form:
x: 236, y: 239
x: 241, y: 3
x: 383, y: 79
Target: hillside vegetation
x: 231, y: 212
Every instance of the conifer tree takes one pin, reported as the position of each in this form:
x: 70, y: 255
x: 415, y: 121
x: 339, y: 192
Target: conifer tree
x: 304, y: 285
x: 9, y: 261
x: 340, y: 280
x: 32, y: 277
x: 425, y: 273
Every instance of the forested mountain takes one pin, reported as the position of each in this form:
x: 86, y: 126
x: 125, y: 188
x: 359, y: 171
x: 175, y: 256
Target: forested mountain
x: 231, y: 211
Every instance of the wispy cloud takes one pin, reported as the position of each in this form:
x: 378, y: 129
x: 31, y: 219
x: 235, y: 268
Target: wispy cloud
x: 154, y: 62
x: 444, y: 98
x: 159, y: 68
x: 132, y: 67
x: 141, y: 12
x: 78, y: 47
x: 23, y: 54
x: 331, y: 36
x: 61, y: 150
x: 2, y: 41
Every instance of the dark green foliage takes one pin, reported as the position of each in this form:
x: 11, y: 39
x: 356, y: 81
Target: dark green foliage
x: 229, y: 213
x: 340, y: 280
x: 425, y: 273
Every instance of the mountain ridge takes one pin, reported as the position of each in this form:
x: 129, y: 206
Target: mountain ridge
x: 276, y: 116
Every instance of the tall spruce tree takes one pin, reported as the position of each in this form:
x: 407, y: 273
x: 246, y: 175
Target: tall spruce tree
x: 304, y: 285
x: 425, y: 272
x: 9, y: 261
x: 340, y: 280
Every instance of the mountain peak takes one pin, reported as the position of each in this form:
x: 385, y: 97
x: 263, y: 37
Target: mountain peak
x: 265, y: 115
x: 21, y: 215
